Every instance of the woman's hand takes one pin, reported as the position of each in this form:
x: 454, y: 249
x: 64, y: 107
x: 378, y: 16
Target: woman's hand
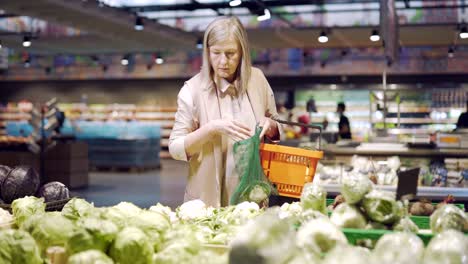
x: 231, y: 128
x: 269, y: 128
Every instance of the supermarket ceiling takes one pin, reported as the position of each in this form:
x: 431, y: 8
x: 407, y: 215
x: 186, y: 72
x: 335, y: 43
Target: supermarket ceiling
x: 108, y: 26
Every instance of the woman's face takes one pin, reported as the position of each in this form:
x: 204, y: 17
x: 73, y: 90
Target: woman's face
x: 225, y: 57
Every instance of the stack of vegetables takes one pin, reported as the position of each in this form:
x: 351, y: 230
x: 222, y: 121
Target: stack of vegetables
x: 299, y: 232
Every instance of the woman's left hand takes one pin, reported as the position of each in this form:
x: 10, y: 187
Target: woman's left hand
x: 269, y: 128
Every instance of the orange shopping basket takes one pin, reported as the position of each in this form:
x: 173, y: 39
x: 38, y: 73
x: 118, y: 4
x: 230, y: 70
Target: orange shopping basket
x: 289, y: 168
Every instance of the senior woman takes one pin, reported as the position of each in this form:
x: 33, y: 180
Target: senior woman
x: 218, y: 106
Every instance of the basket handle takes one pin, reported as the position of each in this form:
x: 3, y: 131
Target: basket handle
x: 319, y: 128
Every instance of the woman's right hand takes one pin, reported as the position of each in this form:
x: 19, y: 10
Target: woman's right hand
x: 231, y: 128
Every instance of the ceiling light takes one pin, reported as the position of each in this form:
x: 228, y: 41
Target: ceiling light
x: 234, y: 3
x: 463, y: 33
x: 139, y: 24
x: 374, y: 36
x: 200, y: 43
x: 323, y: 37
x: 124, y: 61
x: 266, y: 15
x: 26, y: 41
x: 451, y: 52
x: 159, y: 60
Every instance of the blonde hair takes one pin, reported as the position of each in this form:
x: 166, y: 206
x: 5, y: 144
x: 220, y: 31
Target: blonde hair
x: 219, y: 30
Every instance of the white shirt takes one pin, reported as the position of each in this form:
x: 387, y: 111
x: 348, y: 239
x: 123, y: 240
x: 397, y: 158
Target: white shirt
x: 232, y: 106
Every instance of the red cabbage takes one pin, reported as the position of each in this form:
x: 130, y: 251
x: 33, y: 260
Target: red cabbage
x: 54, y: 191
x: 20, y: 182
x: 4, y: 170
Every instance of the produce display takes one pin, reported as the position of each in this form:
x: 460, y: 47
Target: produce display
x: 450, y: 173
x: 298, y: 232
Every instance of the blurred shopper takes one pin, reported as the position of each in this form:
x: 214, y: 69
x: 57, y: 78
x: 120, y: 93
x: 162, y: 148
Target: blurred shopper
x: 344, y: 129
x: 218, y: 106
x: 462, y: 122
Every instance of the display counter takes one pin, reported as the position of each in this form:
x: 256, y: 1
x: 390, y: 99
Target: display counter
x: 410, y: 152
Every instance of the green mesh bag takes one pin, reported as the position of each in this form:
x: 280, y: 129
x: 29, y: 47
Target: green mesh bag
x: 253, y: 185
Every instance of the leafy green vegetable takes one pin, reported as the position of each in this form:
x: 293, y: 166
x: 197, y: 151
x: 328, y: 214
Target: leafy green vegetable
x: 5, y: 218
x: 401, y: 247
x: 348, y: 216
x: 447, y: 247
x: 90, y: 257
x: 381, y: 207
x: 448, y: 217
x: 93, y: 234
x: 131, y: 246
x: 17, y: 246
x: 347, y: 254
x: 355, y: 187
x: 25, y: 207
x: 153, y: 224
x: 319, y: 236
x: 51, y: 229
x: 76, y: 208
x: 266, y: 239
x: 405, y: 224
x: 314, y: 197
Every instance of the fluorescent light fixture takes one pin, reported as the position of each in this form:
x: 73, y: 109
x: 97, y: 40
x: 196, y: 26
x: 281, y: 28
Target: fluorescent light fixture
x: 26, y: 41
x: 266, y: 15
x: 451, y: 52
x: 374, y: 36
x: 234, y: 3
x: 463, y: 33
x: 323, y: 37
x: 139, y: 24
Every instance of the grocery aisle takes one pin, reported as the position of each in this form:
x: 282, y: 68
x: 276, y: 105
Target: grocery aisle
x: 165, y: 185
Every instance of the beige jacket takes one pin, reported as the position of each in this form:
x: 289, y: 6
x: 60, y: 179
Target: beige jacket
x: 197, y: 105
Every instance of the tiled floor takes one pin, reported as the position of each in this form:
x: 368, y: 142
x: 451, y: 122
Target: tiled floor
x: 165, y: 185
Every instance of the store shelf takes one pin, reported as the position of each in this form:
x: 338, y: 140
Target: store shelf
x: 460, y: 194
x: 411, y: 152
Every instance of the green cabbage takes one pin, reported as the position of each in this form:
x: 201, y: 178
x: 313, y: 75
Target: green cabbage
x: 25, y: 207
x: 265, y: 239
x: 314, y: 197
x: 131, y: 246
x: 348, y: 216
x: 6, y: 219
x: 448, y: 217
x: 347, y: 254
x: 447, y: 247
x: 90, y: 257
x: 355, y: 187
x: 401, y: 248
x: 77, y: 208
x: 405, y: 224
x: 319, y: 236
x: 51, y: 229
x: 381, y: 207
x: 129, y: 209
x: 93, y: 234
x: 153, y: 224
x: 17, y: 246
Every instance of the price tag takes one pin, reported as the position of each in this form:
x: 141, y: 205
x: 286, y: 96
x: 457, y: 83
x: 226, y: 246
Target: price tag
x: 407, y: 187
